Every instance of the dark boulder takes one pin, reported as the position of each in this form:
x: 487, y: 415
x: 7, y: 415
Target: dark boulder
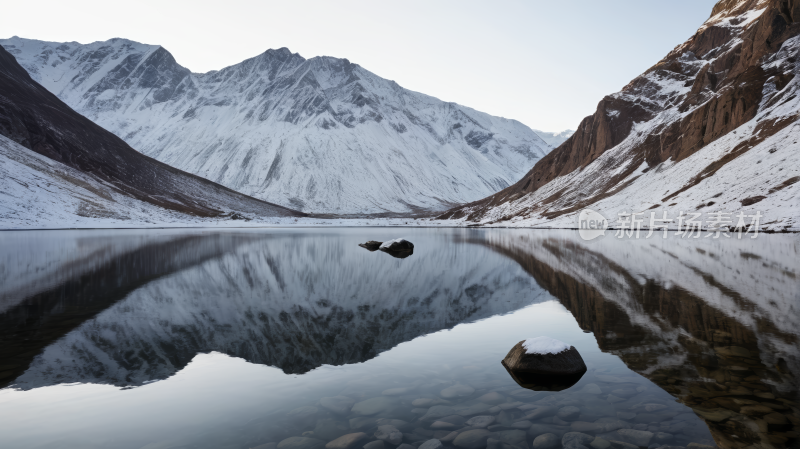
x: 400, y: 248
x: 545, y: 364
x: 371, y: 245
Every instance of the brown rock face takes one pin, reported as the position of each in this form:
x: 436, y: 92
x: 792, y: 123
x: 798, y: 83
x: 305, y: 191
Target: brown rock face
x: 724, y: 67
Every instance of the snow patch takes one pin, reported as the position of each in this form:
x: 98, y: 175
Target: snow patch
x: 544, y: 345
x: 386, y: 245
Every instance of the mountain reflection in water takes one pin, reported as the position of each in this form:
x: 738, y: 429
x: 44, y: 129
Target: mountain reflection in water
x: 291, y: 300
x: 713, y: 323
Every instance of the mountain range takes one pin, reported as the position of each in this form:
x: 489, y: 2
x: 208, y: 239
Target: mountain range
x: 711, y: 127
x: 319, y: 135
x: 56, y: 162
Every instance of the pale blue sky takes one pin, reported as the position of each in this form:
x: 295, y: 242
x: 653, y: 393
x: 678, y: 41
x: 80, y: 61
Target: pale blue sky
x: 544, y: 63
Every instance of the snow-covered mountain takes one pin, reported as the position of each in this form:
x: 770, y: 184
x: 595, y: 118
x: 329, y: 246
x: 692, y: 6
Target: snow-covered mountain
x: 320, y: 134
x: 58, y: 165
x: 714, y: 126
x: 555, y: 139
x: 266, y: 298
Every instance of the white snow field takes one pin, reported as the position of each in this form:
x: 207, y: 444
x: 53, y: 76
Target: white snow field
x: 318, y: 135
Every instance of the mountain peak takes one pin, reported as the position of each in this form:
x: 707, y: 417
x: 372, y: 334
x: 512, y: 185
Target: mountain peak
x: 700, y: 128
x: 322, y: 134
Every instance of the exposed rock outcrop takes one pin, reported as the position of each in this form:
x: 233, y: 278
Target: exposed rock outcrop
x: 707, y: 114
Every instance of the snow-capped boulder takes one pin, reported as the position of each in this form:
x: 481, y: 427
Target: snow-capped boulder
x: 544, y: 363
x: 400, y: 248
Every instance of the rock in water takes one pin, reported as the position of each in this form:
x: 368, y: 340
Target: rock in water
x: 346, y: 441
x: 544, y: 363
x: 389, y: 434
x: 371, y: 245
x: 301, y: 443
x: 400, y: 248
x: 337, y: 404
x: 372, y: 406
x: 576, y: 440
x: 546, y: 441
x: 457, y: 391
x: 431, y: 444
x: 472, y: 439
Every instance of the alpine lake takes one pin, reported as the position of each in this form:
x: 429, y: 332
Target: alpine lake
x: 297, y: 338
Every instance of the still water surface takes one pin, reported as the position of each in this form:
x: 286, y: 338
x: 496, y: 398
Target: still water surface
x: 292, y: 338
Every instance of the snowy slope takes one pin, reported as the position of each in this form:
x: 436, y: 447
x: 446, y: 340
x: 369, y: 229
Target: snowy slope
x: 36, y: 191
x: 320, y: 135
x: 712, y: 127
x: 94, y: 174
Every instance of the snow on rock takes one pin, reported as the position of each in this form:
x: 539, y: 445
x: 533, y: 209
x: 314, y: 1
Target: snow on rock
x: 544, y: 345
x: 317, y: 135
x: 388, y: 244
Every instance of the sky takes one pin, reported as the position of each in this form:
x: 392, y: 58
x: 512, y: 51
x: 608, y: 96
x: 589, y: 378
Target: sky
x: 544, y: 63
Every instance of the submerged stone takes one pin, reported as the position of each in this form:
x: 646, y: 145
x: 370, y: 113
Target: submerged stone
x: 389, y: 434
x: 576, y: 440
x: 372, y: 406
x: 346, y: 441
x: 472, y: 439
x: 337, y: 404
x: 546, y: 441
x: 637, y: 437
x: 301, y: 443
x: 457, y: 391
x: 480, y: 421
x: 431, y: 444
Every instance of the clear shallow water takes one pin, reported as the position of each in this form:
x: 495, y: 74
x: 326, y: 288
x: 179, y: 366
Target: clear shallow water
x: 165, y: 339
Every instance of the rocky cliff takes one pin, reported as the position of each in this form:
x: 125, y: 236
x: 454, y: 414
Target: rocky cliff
x: 714, y: 123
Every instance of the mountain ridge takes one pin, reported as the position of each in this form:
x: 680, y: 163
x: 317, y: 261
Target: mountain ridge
x: 320, y: 134
x: 34, y: 120
x: 687, y: 134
